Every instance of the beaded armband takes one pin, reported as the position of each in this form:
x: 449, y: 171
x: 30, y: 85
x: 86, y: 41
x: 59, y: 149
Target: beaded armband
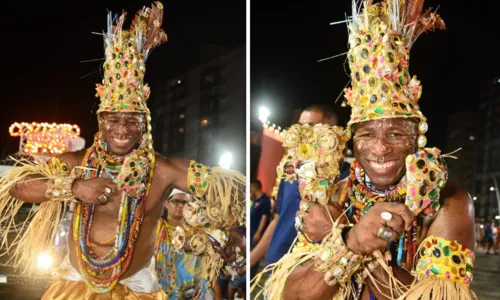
x: 198, y: 178
x: 61, y: 181
x: 445, y: 259
x: 337, y: 262
x: 426, y: 175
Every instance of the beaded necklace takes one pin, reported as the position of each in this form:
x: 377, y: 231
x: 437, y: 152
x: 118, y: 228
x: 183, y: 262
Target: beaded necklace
x: 165, y: 256
x: 357, y: 199
x: 134, y: 178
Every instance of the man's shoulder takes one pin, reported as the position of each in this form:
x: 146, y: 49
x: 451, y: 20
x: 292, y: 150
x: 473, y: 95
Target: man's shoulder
x: 453, y: 195
x: 73, y: 159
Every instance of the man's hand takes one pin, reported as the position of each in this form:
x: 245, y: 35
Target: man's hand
x: 317, y: 219
x: 92, y: 189
x: 362, y: 238
x: 236, y: 240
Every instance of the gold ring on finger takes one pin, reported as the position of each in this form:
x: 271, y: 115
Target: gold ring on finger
x: 387, y: 234
x: 103, y: 199
x: 380, y: 231
x: 107, y: 190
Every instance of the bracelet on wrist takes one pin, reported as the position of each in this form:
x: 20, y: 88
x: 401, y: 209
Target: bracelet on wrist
x: 336, y: 261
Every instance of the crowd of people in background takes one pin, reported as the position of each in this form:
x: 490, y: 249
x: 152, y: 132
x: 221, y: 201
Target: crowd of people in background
x: 488, y: 237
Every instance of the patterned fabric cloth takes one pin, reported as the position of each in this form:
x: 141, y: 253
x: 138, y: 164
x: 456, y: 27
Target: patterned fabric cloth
x: 178, y: 273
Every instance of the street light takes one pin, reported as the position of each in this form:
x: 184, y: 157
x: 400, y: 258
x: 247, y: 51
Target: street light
x: 497, y: 217
x: 264, y: 113
x: 226, y: 160
x: 44, y: 261
x: 474, y: 198
x: 492, y: 188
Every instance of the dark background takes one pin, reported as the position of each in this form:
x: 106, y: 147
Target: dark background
x: 43, y: 43
x: 287, y: 39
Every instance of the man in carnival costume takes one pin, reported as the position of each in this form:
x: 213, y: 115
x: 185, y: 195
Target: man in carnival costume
x: 117, y: 188
x: 395, y: 228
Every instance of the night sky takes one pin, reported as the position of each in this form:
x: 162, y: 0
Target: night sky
x: 44, y: 42
x: 289, y: 37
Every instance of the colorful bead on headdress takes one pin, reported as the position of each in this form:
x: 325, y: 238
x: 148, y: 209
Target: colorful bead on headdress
x: 380, y: 39
x: 126, y: 51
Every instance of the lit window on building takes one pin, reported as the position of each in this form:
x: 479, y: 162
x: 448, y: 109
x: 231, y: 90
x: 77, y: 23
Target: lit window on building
x: 204, y: 122
x: 182, y: 116
x: 181, y: 130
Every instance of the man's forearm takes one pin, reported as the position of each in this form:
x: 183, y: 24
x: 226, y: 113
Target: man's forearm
x: 306, y: 283
x: 262, y: 224
x: 31, y: 190
x: 260, y: 250
x: 383, y: 282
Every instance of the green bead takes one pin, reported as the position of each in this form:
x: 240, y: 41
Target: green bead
x: 323, y: 182
x: 468, y: 268
x: 441, y: 183
x: 435, y: 270
x: 379, y: 110
x: 205, y: 184
x: 446, y: 250
x: 433, y: 194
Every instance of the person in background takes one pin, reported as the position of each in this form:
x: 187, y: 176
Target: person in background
x: 488, y: 236
x: 181, y: 279
x: 260, y: 214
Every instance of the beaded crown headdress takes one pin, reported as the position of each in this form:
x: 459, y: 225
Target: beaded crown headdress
x: 126, y: 51
x: 380, y: 39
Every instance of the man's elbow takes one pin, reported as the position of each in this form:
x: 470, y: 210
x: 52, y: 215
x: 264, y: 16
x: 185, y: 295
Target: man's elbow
x: 14, y: 191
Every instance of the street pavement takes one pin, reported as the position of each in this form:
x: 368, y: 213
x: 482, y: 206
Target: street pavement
x: 486, y: 282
